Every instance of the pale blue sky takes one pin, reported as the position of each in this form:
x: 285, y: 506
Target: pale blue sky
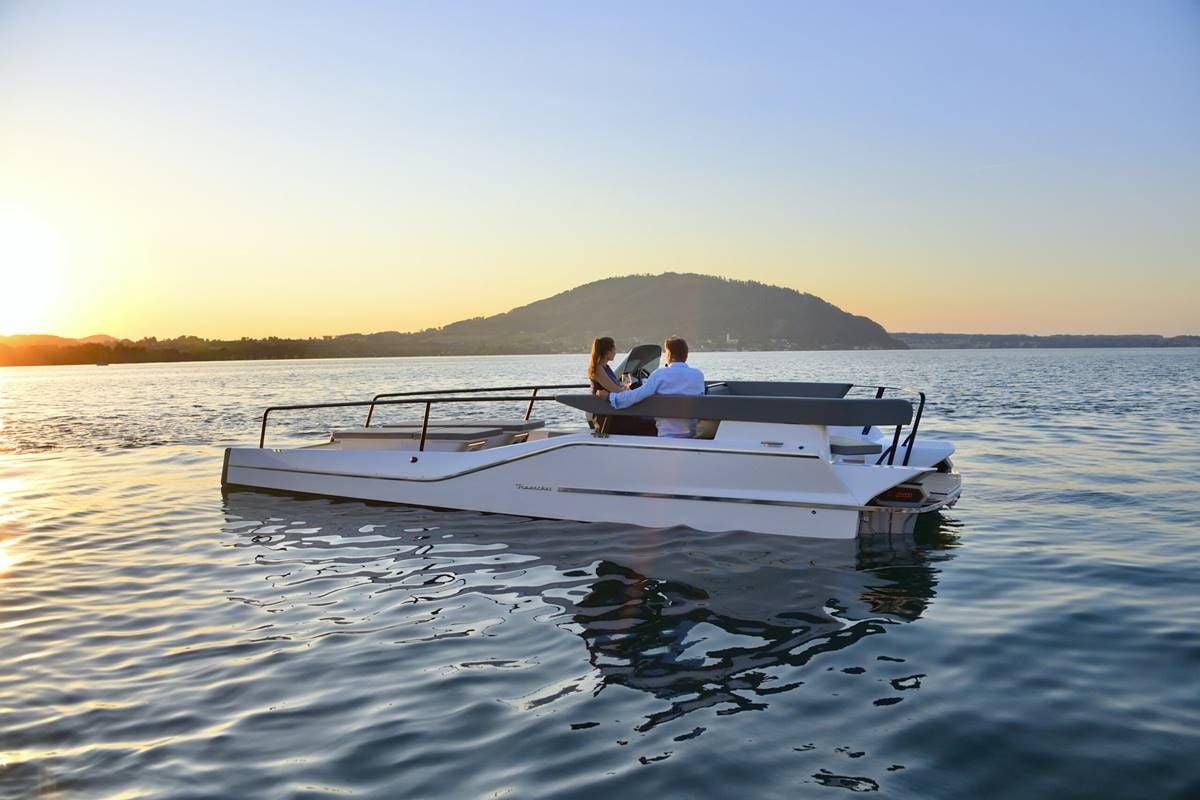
x: 229, y: 168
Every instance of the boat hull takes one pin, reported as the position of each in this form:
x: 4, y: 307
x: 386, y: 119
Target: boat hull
x: 624, y: 480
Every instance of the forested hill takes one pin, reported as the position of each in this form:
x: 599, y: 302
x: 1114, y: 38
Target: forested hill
x: 711, y: 313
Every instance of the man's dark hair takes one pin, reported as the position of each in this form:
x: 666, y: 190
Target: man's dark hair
x: 677, y: 348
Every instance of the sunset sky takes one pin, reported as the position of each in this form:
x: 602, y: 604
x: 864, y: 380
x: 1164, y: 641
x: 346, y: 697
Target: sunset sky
x: 233, y: 169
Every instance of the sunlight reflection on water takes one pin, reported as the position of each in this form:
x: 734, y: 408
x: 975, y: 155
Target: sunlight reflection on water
x: 8, y: 557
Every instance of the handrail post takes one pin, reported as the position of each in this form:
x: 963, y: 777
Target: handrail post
x: 895, y: 446
x: 424, y: 426
x: 878, y: 395
x: 370, y: 412
x: 529, y: 408
x: 262, y: 434
x: 912, y: 436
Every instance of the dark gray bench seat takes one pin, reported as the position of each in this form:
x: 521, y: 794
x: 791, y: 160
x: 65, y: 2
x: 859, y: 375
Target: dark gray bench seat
x: 846, y: 446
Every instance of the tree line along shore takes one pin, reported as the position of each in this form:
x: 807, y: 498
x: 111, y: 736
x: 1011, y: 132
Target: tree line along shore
x: 712, y: 313
x: 192, y: 348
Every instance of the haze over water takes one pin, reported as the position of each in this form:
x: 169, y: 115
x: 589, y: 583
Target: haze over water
x: 160, y: 639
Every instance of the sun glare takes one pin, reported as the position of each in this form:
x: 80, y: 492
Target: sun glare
x: 32, y: 257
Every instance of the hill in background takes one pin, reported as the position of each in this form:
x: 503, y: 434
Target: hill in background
x: 711, y: 313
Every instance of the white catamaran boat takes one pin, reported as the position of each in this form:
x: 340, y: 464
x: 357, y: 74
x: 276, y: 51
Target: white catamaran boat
x: 797, y: 459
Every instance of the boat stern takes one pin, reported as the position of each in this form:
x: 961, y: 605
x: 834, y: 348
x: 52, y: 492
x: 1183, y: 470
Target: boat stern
x: 896, y: 510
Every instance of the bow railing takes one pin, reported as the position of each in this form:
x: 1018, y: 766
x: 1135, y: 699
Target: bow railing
x: 429, y: 399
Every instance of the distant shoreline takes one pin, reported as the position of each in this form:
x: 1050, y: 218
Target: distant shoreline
x: 114, y: 360
x: 714, y: 314
x: 1021, y: 341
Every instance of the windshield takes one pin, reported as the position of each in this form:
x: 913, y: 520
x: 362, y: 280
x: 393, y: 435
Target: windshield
x: 641, y: 361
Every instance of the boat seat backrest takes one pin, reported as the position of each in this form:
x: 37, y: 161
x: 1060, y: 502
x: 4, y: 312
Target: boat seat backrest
x: 784, y: 410
x: 707, y: 428
x: 786, y: 389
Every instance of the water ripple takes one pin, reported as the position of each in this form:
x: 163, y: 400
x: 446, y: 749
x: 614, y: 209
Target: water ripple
x: 160, y: 639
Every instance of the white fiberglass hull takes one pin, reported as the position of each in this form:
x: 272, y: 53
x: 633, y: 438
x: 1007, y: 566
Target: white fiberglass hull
x: 705, y: 485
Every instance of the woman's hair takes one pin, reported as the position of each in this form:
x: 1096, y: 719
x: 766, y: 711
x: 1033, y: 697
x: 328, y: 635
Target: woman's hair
x: 600, y: 348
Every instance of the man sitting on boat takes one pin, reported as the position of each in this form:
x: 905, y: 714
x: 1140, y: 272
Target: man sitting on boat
x: 674, y: 378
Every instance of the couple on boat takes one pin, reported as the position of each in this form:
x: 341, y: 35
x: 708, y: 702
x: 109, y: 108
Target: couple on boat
x: 675, y: 377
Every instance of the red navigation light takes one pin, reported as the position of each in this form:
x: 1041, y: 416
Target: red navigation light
x: 902, y: 494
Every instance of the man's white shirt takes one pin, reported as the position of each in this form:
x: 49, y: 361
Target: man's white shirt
x: 675, y: 378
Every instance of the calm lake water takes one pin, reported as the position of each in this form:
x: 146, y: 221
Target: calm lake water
x: 158, y: 639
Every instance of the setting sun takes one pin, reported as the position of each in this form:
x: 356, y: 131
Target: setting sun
x: 32, y: 257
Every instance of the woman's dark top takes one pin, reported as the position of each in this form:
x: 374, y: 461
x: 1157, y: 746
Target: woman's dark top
x: 611, y: 376
x: 631, y: 426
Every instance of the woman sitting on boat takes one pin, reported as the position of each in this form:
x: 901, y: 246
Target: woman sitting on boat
x: 604, y: 350
x: 604, y: 379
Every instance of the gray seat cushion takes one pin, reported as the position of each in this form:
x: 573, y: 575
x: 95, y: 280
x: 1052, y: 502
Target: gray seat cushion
x: 461, y: 434
x: 516, y: 425
x: 848, y: 446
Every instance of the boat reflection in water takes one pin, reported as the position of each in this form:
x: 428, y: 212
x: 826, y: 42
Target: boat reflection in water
x: 697, y: 620
x: 701, y: 633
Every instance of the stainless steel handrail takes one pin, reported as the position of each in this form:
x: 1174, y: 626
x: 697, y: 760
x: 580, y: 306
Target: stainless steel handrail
x: 910, y: 440
x: 375, y: 400
x: 428, y: 401
x: 413, y: 398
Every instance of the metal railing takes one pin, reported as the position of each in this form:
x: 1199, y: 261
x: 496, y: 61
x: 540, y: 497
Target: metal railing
x: 416, y: 398
x: 428, y: 399
x: 535, y: 389
x: 890, y: 452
